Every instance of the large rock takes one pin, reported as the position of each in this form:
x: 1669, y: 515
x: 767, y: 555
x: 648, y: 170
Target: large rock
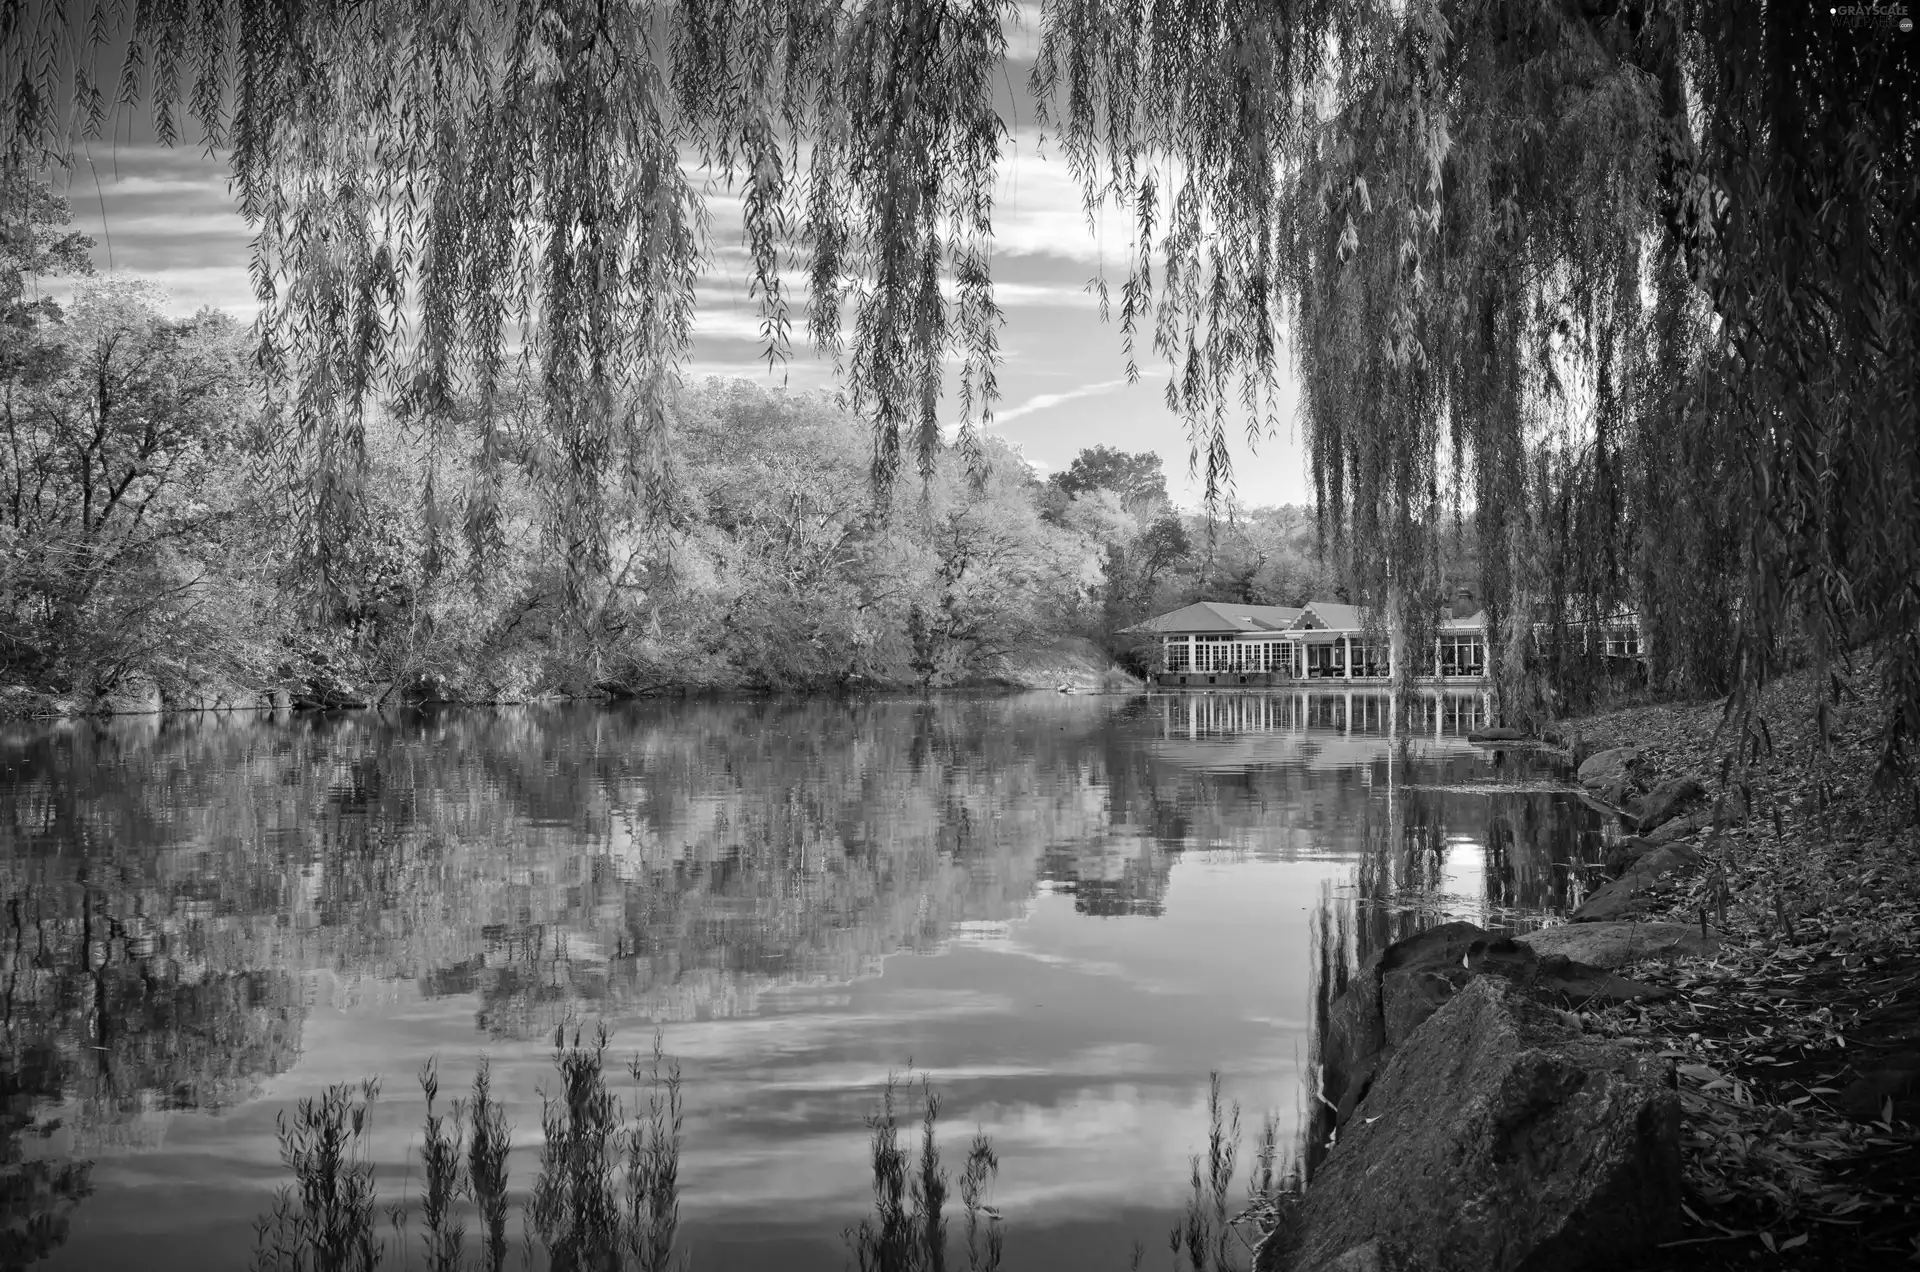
x: 1443, y: 946
x: 1664, y: 802
x: 1554, y: 978
x: 1422, y: 972
x: 1409, y: 996
x: 1625, y: 896
x: 1371, y: 1257
x: 1354, y: 1036
x: 1497, y: 1138
x: 1387, y: 1001
x: 1681, y: 827
x: 1610, y: 945
x: 1402, y: 984
x: 1625, y: 853
x: 1609, y: 770
x: 1488, y: 737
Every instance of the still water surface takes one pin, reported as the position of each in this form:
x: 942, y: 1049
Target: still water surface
x: 1066, y: 910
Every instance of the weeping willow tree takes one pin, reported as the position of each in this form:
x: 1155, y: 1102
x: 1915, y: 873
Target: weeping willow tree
x: 1627, y: 283
x: 461, y: 208
x: 1632, y: 285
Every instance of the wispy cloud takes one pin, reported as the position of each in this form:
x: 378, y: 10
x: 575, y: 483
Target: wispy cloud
x: 1047, y: 401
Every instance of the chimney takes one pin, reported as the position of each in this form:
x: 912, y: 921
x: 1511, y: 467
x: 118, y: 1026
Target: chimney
x: 1463, y: 603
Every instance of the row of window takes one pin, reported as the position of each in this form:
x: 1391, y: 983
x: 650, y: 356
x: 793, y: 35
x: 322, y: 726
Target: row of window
x: 1458, y: 655
x: 1212, y: 654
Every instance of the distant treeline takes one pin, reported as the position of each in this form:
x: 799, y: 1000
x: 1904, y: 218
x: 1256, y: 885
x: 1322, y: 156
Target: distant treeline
x: 157, y: 547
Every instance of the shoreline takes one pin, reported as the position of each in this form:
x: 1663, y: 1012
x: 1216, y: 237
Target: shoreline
x: 1068, y: 665
x: 1754, y: 976
x: 1796, y: 1048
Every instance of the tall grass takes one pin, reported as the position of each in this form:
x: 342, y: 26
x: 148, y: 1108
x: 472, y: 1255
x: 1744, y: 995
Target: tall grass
x: 324, y: 1220
x: 607, y: 1195
x: 487, y: 1169
x: 587, y: 1221
x: 1217, y: 1234
x: 908, y: 1229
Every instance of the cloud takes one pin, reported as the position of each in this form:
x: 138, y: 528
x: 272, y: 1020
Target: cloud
x: 1047, y: 401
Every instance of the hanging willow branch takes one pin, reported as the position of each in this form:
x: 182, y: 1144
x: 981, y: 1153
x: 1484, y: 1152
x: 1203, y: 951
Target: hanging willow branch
x: 459, y: 202
x: 1632, y: 281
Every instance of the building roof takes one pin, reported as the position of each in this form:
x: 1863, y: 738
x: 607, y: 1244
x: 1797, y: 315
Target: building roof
x: 1221, y: 616
x: 1333, y: 614
x: 1208, y: 617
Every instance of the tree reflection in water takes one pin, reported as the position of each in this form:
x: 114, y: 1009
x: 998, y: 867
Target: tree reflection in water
x: 180, y: 892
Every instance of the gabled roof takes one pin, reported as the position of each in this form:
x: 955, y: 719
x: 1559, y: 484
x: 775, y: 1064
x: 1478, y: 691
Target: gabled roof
x: 1208, y: 617
x: 1333, y: 614
x: 1221, y: 616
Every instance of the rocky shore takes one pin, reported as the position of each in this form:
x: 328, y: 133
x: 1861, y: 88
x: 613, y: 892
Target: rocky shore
x: 1715, y: 1063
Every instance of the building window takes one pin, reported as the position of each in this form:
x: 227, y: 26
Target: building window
x: 1623, y: 644
x: 1177, y: 651
x: 1462, y: 656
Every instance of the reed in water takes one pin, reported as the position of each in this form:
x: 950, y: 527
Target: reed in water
x: 607, y: 1196
x: 908, y: 1229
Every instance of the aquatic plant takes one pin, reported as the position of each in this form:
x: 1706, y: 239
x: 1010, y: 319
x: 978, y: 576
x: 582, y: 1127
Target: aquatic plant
x: 607, y: 1196
x: 584, y: 1222
x: 1209, y: 1238
x: 440, y: 1157
x: 908, y: 1229
x: 324, y: 1220
x: 487, y: 1149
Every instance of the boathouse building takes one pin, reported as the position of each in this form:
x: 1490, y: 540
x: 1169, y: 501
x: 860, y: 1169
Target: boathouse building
x: 1220, y: 643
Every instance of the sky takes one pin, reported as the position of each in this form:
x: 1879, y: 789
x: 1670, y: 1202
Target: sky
x: 166, y: 215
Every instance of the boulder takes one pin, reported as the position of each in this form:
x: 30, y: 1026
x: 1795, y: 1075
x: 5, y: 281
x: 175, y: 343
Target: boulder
x: 1497, y: 1138
x: 1555, y: 977
x: 1611, y: 903
x: 1359, y: 1082
x: 1356, y: 1029
x: 1681, y: 827
x: 1625, y: 853
x: 1354, y: 1034
x: 1442, y: 946
x: 1408, y: 996
x: 1420, y: 973
x: 1664, y: 802
x: 1609, y: 770
x: 1374, y: 1256
x: 1610, y: 945
x: 1623, y: 897
x: 1486, y: 736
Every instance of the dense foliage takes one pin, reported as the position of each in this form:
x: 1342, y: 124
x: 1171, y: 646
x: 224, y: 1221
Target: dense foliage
x: 1632, y: 284
x: 1630, y: 281
x: 150, y: 543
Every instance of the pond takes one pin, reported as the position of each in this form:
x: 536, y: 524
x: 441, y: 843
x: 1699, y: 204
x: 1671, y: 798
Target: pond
x: 1066, y: 910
